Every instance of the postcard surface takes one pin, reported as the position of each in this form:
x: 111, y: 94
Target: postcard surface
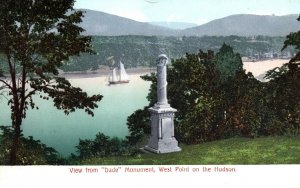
x: 170, y: 91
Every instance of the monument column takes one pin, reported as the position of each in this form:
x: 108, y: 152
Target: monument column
x: 162, y: 139
x: 161, y: 63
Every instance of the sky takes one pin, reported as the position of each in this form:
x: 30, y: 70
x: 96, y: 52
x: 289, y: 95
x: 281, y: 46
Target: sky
x: 192, y: 11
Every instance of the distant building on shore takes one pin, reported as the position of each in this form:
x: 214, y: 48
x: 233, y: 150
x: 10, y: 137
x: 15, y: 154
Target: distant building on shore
x: 268, y: 56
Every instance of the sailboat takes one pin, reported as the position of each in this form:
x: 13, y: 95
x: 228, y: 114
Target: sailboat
x: 118, y: 75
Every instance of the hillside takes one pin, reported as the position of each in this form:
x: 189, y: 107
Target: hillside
x: 268, y: 150
x: 247, y: 25
x: 135, y: 51
x: 103, y: 24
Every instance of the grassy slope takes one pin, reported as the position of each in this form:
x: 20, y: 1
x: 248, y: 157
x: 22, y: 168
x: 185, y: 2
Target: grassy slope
x: 268, y: 150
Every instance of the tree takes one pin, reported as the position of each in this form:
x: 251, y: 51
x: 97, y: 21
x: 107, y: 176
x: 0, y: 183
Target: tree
x: 193, y: 91
x: 214, y: 97
x: 244, y: 105
x: 284, y: 97
x: 285, y: 84
x: 37, y: 38
x: 293, y: 39
x: 228, y: 62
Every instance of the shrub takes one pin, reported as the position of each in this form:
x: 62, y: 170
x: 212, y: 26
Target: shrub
x: 32, y: 152
x: 102, y: 146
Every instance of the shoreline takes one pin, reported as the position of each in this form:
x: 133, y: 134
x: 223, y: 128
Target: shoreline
x: 104, y: 73
x: 257, y: 68
x: 268, y: 60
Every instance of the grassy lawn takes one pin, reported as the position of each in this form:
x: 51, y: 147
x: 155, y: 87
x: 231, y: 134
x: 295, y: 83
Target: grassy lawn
x: 267, y: 150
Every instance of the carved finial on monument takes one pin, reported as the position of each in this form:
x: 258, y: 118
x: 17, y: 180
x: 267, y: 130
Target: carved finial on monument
x: 162, y: 60
x: 162, y: 139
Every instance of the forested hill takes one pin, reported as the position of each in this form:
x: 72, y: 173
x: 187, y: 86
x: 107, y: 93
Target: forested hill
x: 136, y: 51
x: 143, y: 50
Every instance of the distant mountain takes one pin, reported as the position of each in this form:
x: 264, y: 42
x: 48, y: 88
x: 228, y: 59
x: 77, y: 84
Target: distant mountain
x: 174, y: 25
x: 103, y: 24
x: 247, y: 25
x: 100, y: 23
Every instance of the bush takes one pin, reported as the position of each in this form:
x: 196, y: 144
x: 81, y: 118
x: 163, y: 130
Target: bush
x: 102, y: 146
x: 284, y: 97
x: 32, y: 152
x: 138, y: 124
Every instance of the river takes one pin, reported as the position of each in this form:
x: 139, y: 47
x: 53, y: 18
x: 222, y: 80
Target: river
x: 62, y: 132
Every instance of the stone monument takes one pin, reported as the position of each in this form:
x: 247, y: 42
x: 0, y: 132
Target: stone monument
x: 162, y: 139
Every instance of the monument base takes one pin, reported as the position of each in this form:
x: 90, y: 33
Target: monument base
x: 164, y: 146
x: 162, y: 138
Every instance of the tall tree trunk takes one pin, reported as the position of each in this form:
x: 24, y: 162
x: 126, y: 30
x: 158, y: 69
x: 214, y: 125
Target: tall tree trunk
x: 16, y: 141
x: 17, y: 112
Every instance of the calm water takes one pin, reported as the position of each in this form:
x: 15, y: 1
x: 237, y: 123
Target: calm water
x: 62, y: 132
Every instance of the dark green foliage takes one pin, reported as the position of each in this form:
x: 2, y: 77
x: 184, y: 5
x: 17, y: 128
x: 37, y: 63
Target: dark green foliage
x: 152, y: 98
x: 227, y: 62
x: 36, y: 39
x: 193, y: 81
x: 245, y: 106
x: 285, y: 97
x: 285, y: 88
x: 138, y: 125
x: 32, y: 152
x: 65, y: 96
x: 101, y: 146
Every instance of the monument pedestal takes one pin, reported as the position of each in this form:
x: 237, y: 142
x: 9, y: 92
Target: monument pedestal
x: 162, y: 139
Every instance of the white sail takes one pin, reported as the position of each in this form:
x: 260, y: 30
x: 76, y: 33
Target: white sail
x: 123, y: 74
x: 113, y: 76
